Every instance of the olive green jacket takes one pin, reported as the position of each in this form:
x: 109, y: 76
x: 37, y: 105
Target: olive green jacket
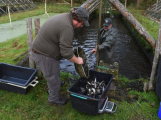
x: 55, y: 37
x: 107, y: 39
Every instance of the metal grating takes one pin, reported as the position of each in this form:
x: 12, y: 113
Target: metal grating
x: 154, y: 12
x: 16, y: 5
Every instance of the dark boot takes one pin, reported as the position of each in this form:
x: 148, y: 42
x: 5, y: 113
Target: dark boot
x: 60, y: 101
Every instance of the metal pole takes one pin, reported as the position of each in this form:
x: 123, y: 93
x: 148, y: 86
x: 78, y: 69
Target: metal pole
x: 100, y: 15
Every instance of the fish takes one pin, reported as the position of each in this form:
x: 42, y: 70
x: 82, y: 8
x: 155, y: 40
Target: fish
x: 82, y: 70
x: 93, y: 88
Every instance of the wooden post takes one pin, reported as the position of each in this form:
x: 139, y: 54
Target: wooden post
x: 46, y: 11
x: 30, y: 39
x: 125, y: 3
x: 37, y: 27
x: 9, y: 16
x: 156, y: 6
x: 100, y: 15
x: 156, y: 57
x: 139, y: 2
x: 71, y: 3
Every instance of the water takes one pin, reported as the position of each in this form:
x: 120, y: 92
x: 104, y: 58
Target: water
x: 133, y: 63
x: 19, y: 27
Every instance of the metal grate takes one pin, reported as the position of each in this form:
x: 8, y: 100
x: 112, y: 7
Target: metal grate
x: 154, y: 12
x: 16, y: 5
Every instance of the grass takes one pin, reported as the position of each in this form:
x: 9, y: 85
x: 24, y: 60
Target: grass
x: 51, y: 8
x: 34, y: 105
x: 151, y: 26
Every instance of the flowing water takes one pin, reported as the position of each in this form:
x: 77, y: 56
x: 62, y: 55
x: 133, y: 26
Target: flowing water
x: 133, y: 63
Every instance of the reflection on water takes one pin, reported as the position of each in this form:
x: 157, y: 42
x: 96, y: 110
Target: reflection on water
x: 133, y: 63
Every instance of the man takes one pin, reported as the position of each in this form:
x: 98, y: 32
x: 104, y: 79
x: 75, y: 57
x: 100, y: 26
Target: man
x: 55, y: 41
x: 105, y: 35
x: 107, y: 41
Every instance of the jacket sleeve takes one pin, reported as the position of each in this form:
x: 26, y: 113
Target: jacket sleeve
x: 108, y: 43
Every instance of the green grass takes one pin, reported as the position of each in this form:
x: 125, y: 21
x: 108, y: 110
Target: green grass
x: 34, y: 105
x: 51, y: 8
x: 151, y: 26
x: 13, y: 48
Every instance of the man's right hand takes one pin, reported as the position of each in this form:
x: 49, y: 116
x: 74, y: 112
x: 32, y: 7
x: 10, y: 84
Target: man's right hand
x: 77, y: 60
x: 80, y: 60
x: 94, y: 50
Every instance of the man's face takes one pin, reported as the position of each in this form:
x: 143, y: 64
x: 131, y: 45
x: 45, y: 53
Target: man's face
x: 79, y: 24
x: 107, y: 27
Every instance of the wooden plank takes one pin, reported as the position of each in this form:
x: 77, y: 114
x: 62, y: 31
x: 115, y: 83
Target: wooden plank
x: 37, y: 28
x: 30, y: 39
x: 21, y: 55
x: 155, y: 61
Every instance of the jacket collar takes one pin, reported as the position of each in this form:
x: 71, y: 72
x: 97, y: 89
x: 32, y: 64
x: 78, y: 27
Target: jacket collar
x: 70, y: 15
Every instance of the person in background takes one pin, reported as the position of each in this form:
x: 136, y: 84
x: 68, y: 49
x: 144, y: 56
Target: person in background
x: 54, y: 42
x: 106, y: 40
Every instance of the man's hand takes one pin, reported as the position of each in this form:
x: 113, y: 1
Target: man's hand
x: 94, y: 50
x: 77, y: 60
x: 80, y: 60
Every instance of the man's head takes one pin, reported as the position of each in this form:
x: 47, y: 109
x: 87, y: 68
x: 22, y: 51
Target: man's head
x: 81, y: 15
x: 107, y: 22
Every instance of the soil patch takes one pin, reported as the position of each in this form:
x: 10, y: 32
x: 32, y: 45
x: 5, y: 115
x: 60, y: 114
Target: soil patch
x: 122, y: 91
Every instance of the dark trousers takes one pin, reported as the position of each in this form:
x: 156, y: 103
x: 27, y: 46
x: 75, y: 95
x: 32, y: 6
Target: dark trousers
x: 51, y: 70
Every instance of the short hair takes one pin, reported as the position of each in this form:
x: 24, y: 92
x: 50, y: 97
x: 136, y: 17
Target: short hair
x: 74, y: 15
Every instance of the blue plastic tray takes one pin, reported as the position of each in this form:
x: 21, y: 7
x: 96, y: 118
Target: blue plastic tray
x: 16, y: 74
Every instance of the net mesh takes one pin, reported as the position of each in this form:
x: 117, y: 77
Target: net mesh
x: 16, y: 5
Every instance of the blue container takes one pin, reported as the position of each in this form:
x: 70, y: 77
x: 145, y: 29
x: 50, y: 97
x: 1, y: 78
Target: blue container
x: 16, y: 74
x: 159, y: 113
